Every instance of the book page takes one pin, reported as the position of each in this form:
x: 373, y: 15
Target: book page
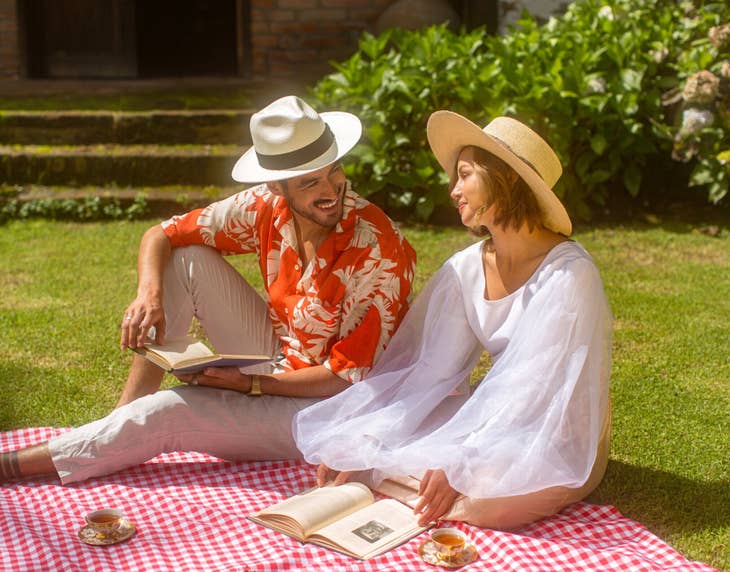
x: 320, y: 506
x: 371, y: 530
x: 179, y: 349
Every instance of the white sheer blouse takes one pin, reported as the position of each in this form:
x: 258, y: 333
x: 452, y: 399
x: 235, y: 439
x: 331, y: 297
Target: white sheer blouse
x: 535, y: 419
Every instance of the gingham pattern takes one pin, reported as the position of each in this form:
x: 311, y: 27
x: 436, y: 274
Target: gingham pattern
x: 190, y: 514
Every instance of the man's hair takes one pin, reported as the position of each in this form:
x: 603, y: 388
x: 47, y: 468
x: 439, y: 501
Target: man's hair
x: 501, y: 186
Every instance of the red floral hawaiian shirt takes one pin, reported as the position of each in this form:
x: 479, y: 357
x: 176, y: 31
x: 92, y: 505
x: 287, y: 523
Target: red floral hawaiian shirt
x: 342, y: 309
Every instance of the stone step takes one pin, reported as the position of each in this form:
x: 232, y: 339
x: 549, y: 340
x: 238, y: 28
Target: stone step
x: 162, y: 200
x: 118, y: 165
x: 217, y: 126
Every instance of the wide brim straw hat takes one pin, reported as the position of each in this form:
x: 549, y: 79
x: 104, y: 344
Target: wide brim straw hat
x: 513, y: 142
x: 291, y: 139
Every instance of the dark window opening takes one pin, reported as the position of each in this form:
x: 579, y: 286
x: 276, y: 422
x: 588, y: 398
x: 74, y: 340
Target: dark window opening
x: 135, y: 38
x: 186, y: 37
x: 476, y: 13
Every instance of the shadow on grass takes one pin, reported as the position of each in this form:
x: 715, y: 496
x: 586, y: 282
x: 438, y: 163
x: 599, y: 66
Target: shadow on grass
x: 665, y: 503
x: 678, y: 218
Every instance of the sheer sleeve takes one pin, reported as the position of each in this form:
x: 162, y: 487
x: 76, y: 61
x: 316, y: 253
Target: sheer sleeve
x: 432, y: 353
x: 533, y: 422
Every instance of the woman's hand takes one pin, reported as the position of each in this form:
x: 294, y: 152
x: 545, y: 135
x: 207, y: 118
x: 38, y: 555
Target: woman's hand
x: 325, y: 475
x: 437, y: 497
x: 220, y: 378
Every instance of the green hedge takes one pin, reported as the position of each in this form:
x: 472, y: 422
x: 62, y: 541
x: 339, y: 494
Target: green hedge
x: 81, y: 209
x: 609, y: 84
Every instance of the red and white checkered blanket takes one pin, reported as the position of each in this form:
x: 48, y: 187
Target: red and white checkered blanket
x: 190, y: 511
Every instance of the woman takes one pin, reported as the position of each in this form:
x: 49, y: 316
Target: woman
x: 533, y: 436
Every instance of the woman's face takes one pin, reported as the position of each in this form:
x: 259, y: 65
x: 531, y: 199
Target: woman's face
x: 467, y: 193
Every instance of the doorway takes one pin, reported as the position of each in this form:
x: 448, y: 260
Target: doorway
x: 136, y: 38
x: 80, y: 38
x: 186, y: 37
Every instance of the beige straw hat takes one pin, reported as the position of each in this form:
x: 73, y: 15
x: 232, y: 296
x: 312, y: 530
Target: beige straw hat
x: 513, y: 142
x: 291, y: 139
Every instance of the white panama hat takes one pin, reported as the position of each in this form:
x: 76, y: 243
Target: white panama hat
x: 513, y: 142
x: 291, y: 139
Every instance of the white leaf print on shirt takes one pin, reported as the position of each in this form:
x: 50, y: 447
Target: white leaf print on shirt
x: 234, y: 218
x: 312, y: 319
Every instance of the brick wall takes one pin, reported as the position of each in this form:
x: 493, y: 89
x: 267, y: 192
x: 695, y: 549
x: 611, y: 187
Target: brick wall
x: 288, y: 37
x: 9, y: 54
x: 302, y: 36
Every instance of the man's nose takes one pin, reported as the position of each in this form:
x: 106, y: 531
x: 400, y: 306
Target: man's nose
x: 332, y: 185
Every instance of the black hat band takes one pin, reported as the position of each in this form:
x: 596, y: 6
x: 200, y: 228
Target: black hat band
x: 301, y: 156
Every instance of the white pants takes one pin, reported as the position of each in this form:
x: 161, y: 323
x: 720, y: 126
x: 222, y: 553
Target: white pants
x: 227, y: 424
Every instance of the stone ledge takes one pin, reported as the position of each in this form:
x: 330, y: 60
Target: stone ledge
x: 125, y: 127
x: 162, y: 201
x: 126, y: 165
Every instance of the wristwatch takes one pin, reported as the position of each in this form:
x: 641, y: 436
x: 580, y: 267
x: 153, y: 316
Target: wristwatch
x: 255, y: 386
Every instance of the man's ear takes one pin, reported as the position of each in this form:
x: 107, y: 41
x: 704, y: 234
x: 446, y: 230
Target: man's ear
x: 275, y: 187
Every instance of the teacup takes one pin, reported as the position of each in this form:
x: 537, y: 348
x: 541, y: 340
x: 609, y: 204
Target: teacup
x: 105, y: 521
x: 449, y: 543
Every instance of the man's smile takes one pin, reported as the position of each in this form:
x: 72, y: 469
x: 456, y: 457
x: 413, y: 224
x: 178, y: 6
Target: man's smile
x: 326, y: 204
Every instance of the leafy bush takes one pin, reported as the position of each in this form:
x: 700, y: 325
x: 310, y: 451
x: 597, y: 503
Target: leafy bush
x: 604, y: 83
x: 84, y: 209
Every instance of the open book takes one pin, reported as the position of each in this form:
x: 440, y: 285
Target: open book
x: 346, y: 518
x: 187, y: 355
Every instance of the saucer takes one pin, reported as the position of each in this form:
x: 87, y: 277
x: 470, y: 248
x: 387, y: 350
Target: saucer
x: 429, y: 554
x: 124, y: 532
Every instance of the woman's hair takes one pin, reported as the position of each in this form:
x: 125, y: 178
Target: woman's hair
x: 501, y: 186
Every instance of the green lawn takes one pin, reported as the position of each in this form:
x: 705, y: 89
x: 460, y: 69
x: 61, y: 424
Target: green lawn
x: 65, y: 286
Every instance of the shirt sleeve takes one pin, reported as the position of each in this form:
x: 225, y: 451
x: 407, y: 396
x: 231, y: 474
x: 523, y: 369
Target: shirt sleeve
x: 378, y: 291
x: 228, y: 225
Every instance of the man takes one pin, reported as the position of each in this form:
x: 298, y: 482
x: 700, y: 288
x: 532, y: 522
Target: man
x: 338, y: 279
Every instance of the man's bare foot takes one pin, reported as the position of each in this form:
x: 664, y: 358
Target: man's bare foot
x: 9, y: 468
x: 29, y: 462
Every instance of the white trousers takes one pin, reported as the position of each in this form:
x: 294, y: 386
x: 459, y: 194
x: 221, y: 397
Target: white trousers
x: 227, y: 424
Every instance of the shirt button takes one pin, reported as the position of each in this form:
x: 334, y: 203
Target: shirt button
x: 296, y: 267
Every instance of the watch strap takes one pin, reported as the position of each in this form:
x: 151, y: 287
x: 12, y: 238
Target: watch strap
x: 255, y: 386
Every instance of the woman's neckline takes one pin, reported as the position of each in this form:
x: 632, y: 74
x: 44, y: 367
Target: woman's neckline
x: 509, y: 295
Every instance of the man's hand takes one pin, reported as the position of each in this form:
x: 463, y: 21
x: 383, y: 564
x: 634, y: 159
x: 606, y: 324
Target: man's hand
x: 146, y: 310
x: 325, y: 475
x: 437, y: 497
x: 141, y: 315
x: 220, y: 378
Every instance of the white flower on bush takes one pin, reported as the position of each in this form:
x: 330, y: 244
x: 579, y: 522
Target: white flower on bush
x: 686, y: 143
x: 701, y: 88
x: 694, y: 120
x: 725, y: 69
x: 659, y: 55
x: 719, y: 35
x: 596, y: 85
x: 606, y: 13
